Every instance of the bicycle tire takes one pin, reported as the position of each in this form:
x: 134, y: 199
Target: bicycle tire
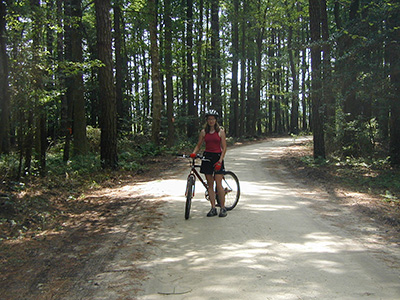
x: 230, y: 184
x: 189, y: 195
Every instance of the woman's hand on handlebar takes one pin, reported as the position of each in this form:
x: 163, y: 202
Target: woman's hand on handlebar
x: 217, y: 166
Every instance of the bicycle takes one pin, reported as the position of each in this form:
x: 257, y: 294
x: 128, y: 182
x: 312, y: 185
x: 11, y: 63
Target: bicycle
x: 230, y: 183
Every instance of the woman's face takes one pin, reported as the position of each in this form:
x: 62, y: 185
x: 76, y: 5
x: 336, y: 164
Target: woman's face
x: 211, y: 120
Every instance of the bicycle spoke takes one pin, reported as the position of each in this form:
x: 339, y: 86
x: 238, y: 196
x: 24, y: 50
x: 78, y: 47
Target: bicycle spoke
x: 230, y: 184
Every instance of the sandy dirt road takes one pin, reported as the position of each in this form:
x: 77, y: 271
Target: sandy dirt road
x: 274, y: 245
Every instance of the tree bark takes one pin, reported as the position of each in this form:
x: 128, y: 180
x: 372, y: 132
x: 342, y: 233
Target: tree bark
x: 317, y: 115
x: 393, y: 55
x: 234, y: 107
x: 4, y: 88
x: 168, y: 68
x: 294, y: 116
x: 76, y: 87
x: 256, y: 126
x: 38, y: 115
x: 261, y: 23
x: 216, y: 98
x: 243, y: 73
x: 155, y: 73
x: 199, y: 57
x: 352, y: 106
x: 304, y: 102
x: 327, y: 81
x: 108, y: 116
x: 67, y: 99
x: 271, y: 84
x: 191, y: 126
x: 120, y: 64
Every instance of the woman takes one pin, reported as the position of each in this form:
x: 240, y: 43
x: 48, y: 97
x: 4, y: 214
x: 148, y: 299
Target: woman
x: 213, y: 167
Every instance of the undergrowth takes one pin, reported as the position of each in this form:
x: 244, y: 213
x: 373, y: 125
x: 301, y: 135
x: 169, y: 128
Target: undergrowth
x: 33, y: 203
x: 372, y: 174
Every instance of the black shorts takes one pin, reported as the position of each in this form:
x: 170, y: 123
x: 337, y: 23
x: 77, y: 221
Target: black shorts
x: 207, y: 166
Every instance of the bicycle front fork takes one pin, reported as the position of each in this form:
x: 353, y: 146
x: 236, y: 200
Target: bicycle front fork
x: 190, y: 185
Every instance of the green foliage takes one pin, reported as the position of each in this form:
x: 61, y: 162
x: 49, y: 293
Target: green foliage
x: 389, y: 197
x: 9, y: 165
x: 80, y: 165
x: 310, y: 161
x: 372, y: 174
x: 360, y: 42
x: 355, y: 138
x: 71, y: 68
x: 134, y: 151
x: 150, y: 149
x: 93, y: 137
x: 130, y: 161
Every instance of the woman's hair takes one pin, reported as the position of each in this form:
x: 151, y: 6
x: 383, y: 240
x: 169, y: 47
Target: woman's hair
x: 207, y: 127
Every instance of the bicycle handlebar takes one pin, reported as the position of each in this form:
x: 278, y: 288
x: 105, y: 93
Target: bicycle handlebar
x: 198, y: 156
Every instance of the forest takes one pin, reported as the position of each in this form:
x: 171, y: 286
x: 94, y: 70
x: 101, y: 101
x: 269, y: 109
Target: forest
x: 107, y: 79
x: 97, y: 98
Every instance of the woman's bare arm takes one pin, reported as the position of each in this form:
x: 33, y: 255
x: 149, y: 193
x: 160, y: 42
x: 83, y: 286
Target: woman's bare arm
x: 223, y: 144
x: 200, y: 142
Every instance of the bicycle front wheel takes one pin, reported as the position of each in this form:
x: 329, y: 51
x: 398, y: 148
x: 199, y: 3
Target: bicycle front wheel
x: 189, y: 195
x: 230, y: 184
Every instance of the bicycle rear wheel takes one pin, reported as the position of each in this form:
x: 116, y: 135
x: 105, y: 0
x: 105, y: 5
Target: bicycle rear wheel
x: 230, y: 184
x: 189, y: 195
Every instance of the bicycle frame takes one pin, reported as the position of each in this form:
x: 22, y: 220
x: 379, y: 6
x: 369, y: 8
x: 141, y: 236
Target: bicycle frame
x: 194, y: 173
x: 230, y: 183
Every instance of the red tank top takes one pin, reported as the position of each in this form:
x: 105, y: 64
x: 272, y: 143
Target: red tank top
x: 213, y: 142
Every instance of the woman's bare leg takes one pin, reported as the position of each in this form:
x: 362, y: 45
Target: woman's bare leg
x: 220, y: 190
x: 211, y: 193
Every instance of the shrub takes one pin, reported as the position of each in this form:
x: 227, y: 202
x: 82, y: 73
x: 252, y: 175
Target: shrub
x: 93, y: 137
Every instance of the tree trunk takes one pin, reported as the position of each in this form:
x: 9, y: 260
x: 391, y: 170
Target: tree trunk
x: 271, y: 84
x: 191, y: 128
x: 216, y: 98
x: 145, y: 78
x: 50, y: 86
x: 38, y: 114
x: 294, y: 116
x: 67, y: 99
x: 250, y: 125
x: 243, y: 73
x: 256, y: 126
x: 108, y: 116
x: 199, y: 57
x: 168, y: 68
x: 304, y: 101
x: 155, y: 73
x: 279, y: 88
x: 393, y: 55
x: 4, y: 88
x: 278, y: 128
x: 352, y: 106
x: 258, y: 69
x: 317, y: 117
x: 120, y: 65
x: 234, y: 103
x: 76, y: 89
x: 327, y: 81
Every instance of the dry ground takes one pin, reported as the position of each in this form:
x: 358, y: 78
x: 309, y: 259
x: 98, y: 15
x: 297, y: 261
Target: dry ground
x: 347, y: 193
x: 47, y: 264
